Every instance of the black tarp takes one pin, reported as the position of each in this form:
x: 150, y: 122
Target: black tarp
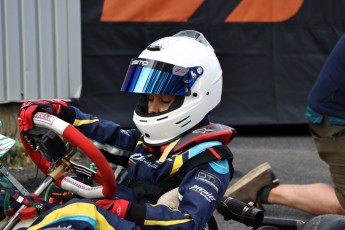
x: 268, y: 67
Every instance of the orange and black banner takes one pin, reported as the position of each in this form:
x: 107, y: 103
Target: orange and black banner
x: 271, y: 52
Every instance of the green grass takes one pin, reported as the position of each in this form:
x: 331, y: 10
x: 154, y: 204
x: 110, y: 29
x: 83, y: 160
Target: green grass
x: 17, y: 157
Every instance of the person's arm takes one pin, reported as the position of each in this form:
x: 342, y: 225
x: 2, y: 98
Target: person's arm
x: 200, y: 192
x: 115, y: 143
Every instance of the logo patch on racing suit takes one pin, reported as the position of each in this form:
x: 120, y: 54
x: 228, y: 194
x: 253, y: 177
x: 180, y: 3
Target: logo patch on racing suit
x: 138, y: 157
x: 203, y: 192
x: 208, y: 178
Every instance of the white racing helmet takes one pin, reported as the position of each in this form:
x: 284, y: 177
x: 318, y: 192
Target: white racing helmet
x: 184, y: 65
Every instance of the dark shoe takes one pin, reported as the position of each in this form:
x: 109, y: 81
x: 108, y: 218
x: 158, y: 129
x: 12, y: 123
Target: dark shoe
x: 247, y: 188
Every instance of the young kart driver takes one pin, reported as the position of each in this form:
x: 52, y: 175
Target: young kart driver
x: 179, y: 80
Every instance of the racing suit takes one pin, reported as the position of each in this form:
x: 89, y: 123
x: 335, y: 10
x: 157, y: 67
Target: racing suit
x: 200, y: 190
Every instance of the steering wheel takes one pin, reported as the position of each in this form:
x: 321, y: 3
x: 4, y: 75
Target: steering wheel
x: 104, y: 176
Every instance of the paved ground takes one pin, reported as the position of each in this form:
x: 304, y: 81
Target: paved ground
x: 293, y: 159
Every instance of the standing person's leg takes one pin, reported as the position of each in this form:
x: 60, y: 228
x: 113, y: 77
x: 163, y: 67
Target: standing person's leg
x: 260, y: 186
x: 317, y: 199
x: 330, y: 144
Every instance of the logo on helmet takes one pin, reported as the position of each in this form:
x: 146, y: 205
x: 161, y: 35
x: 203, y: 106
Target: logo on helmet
x: 140, y: 62
x: 180, y: 71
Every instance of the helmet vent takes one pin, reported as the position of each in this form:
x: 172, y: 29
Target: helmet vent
x: 143, y: 120
x: 182, y: 120
x: 162, y: 118
x: 154, y: 48
x: 186, y: 124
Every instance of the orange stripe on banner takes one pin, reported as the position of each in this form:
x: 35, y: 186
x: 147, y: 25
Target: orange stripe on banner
x: 264, y: 10
x: 149, y: 10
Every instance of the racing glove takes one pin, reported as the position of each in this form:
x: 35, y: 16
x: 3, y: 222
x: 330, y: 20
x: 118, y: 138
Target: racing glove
x: 58, y: 108
x: 118, y: 207
x: 124, y: 209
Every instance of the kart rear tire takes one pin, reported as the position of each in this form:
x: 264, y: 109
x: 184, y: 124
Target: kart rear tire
x: 326, y: 222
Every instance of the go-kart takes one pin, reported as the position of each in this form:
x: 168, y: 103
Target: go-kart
x: 52, y: 145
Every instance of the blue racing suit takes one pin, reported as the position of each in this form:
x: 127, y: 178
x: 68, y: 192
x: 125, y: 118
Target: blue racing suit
x: 200, y: 190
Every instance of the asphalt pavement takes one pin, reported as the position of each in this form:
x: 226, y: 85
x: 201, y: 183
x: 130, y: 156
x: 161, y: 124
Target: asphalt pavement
x: 293, y: 158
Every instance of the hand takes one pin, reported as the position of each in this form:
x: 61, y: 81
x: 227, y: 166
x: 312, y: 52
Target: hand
x: 56, y: 107
x: 118, y: 207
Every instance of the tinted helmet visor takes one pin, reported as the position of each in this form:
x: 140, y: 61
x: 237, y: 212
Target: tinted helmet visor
x: 154, y: 77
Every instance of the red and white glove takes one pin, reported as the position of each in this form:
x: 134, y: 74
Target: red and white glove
x: 118, y: 207
x: 56, y: 107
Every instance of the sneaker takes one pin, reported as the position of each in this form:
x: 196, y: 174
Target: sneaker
x: 247, y: 188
